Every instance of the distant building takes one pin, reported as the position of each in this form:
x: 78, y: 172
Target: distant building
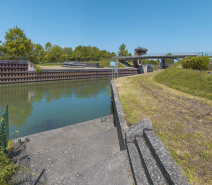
x: 140, y: 51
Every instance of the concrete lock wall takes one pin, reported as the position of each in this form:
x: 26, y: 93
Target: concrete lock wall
x: 12, y: 74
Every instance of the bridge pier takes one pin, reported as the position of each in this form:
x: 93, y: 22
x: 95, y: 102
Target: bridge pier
x: 162, y: 63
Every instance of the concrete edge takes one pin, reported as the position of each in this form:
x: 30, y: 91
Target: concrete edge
x: 166, y: 163
x: 118, y: 114
x: 137, y: 130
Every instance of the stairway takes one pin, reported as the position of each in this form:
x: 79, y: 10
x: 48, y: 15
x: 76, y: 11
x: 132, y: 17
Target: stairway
x: 84, y: 153
x: 150, y: 162
x: 124, y: 63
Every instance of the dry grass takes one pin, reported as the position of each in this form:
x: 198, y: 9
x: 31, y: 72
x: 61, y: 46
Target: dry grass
x: 182, y: 122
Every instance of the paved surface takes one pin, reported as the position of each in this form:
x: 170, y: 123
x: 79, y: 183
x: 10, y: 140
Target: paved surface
x: 114, y: 170
x: 59, y: 137
x: 75, y: 155
x: 81, y: 150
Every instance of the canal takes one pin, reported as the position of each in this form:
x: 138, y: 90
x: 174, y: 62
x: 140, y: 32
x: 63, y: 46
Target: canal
x: 41, y: 106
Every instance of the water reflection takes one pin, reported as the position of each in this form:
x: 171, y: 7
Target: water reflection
x: 40, y: 106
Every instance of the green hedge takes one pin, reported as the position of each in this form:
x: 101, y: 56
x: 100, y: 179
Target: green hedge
x: 199, y: 63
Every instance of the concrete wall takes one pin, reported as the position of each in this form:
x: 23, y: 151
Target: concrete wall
x: 118, y: 116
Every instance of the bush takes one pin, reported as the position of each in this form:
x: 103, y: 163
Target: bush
x: 7, y: 168
x: 199, y: 63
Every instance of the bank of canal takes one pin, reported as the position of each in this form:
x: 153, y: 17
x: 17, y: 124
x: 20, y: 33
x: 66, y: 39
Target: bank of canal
x: 41, y: 106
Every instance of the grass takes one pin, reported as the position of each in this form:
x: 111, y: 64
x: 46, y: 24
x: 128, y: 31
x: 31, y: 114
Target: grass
x: 38, y: 69
x: 183, y: 122
x: 129, y: 62
x: 156, y: 68
x: 50, y: 64
x: 187, y: 80
x: 105, y: 63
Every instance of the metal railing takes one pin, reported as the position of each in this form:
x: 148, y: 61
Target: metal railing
x: 4, y: 129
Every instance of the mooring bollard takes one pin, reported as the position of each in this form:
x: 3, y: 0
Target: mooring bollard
x: 19, y: 141
x: 26, y: 139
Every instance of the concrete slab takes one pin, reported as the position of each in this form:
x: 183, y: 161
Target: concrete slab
x: 75, y: 155
x: 61, y: 136
x: 114, y: 170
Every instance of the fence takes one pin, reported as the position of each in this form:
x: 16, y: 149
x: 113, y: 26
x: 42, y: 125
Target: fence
x: 4, y: 129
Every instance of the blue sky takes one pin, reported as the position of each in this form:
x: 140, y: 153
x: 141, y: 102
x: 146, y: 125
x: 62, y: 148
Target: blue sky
x: 161, y: 26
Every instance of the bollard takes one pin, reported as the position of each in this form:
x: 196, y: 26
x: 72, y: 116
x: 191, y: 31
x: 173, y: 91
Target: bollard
x: 26, y: 139
x: 19, y: 141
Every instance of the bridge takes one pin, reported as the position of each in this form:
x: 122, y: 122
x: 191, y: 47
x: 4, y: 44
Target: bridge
x: 162, y: 56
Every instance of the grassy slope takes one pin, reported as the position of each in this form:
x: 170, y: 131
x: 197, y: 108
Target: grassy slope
x: 181, y: 121
x: 187, y: 80
x: 105, y: 62
x: 50, y: 64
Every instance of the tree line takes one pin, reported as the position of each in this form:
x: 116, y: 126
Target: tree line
x: 18, y: 47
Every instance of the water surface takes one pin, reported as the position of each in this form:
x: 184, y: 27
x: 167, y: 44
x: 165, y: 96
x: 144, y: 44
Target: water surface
x: 41, y: 106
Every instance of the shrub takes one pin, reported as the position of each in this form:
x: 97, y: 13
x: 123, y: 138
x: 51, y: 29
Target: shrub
x: 199, y: 63
x: 7, y: 168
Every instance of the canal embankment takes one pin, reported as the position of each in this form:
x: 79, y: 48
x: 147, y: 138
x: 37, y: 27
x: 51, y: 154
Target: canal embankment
x: 181, y: 121
x: 150, y: 161
x: 12, y: 74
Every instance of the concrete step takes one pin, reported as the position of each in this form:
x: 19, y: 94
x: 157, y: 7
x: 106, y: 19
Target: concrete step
x: 149, y: 163
x: 143, y: 164
x: 114, y: 170
x: 58, y: 137
x: 168, y: 167
x: 136, y: 165
x: 75, y: 155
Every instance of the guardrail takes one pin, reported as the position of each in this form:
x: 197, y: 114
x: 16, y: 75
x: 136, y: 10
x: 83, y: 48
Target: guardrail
x: 4, y: 129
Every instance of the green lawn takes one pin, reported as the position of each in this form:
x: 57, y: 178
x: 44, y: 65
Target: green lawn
x: 105, y: 63
x: 50, y: 64
x: 190, y: 81
x: 181, y: 121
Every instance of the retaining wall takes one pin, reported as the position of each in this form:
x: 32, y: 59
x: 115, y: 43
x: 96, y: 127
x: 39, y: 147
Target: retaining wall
x: 10, y: 74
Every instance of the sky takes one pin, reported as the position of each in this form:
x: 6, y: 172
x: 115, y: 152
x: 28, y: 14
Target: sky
x: 161, y: 26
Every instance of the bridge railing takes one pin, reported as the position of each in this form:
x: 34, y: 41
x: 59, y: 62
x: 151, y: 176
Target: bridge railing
x: 172, y: 54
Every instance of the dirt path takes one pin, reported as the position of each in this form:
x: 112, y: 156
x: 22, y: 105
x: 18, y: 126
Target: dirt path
x: 183, y: 122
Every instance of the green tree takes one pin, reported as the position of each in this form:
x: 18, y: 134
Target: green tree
x: 169, y: 60
x: 95, y: 53
x: 17, y: 44
x: 154, y: 62
x: 40, y: 53
x: 123, y: 51
x: 68, y: 51
x: 57, y: 54
x: 1, y: 50
x: 145, y: 61
x: 77, y: 54
x: 48, y: 47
